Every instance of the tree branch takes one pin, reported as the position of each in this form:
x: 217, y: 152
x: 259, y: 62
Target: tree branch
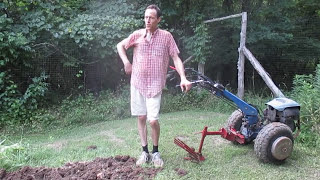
x: 223, y: 18
x: 188, y: 59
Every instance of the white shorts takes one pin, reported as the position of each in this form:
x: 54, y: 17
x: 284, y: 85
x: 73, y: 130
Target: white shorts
x: 141, y: 106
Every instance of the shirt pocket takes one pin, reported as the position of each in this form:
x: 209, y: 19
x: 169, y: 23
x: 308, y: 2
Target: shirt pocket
x: 159, y: 50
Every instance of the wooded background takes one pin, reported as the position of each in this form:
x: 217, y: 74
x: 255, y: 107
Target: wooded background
x: 71, y: 44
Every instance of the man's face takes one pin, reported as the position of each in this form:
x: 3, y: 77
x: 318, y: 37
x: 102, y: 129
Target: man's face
x: 150, y: 19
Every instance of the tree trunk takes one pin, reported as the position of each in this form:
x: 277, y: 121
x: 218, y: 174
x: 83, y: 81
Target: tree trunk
x: 241, y: 60
x: 201, y: 68
x: 201, y: 71
x: 255, y: 63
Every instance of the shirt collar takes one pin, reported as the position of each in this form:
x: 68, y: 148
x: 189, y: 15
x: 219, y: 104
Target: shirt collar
x: 155, y: 32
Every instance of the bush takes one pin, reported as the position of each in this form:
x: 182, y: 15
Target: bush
x: 83, y: 109
x: 306, y: 91
x: 88, y: 109
x: 17, y: 108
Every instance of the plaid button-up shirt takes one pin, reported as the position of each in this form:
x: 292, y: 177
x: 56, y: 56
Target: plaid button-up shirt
x: 150, y: 60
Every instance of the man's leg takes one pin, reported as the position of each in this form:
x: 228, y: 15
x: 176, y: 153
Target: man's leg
x: 156, y: 159
x: 138, y: 108
x: 155, y: 131
x: 142, y: 128
x: 153, y: 108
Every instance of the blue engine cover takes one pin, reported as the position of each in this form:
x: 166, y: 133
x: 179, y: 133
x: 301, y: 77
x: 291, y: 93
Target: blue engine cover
x: 282, y: 103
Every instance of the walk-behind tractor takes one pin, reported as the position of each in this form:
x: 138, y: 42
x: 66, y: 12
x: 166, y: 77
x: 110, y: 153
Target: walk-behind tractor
x: 272, y: 132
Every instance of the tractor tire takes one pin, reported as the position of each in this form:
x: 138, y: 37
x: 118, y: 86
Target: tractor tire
x: 274, y: 143
x: 235, y: 121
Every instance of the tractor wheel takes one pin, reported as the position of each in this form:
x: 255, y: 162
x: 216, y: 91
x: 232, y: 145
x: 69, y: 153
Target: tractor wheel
x: 235, y: 121
x: 274, y: 143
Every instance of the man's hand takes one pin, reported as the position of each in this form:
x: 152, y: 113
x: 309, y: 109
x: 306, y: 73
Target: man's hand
x: 185, y: 85
x: 128, y: 68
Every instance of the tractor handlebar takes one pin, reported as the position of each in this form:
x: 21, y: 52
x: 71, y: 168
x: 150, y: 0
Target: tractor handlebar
x: 200, y: 79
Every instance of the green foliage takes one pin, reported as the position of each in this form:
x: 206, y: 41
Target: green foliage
x: 17, y: 108
x: 74, y: 111
x: 277, y: 32
x: 39, y: 28
x: 29, y: 29
x: 98, y: 32
x: 12, y: 44
x: 307, y: 92
x: 22, y: 25
x: 198, y: 44
x: 100, y: 27
x: 308, y: 137
x: 35, y: 92
x: 87, y: 109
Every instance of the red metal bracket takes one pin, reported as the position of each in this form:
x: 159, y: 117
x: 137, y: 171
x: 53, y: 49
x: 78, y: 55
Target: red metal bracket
x: 231, y: 135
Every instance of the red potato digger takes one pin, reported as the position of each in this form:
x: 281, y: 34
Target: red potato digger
x: 272, y: 132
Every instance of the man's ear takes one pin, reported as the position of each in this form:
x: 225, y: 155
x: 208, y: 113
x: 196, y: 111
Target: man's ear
x: 159, y: 19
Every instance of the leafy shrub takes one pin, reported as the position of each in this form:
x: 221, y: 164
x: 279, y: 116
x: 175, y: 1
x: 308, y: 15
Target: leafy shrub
x: 307, y: 92
x: 84, y: 109
x: 17, y: 108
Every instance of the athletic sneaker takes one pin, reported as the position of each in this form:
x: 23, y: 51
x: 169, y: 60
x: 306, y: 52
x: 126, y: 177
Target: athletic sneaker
x: 144, y: 158
x: 156, y: 159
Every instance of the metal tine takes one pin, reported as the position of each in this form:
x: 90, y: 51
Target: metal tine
x: 188, y: 149
x: 182, y: 144
x: 191, y: 151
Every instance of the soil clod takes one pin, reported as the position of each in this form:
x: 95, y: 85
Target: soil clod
x: 181, y: 172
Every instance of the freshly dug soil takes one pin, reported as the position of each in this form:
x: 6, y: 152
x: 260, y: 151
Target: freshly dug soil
x: 119, y: 167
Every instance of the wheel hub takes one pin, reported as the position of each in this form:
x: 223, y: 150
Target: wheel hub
x: 282, y: 148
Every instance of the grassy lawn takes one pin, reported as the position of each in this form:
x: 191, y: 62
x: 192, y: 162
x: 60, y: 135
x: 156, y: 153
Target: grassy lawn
x: 223, y: 159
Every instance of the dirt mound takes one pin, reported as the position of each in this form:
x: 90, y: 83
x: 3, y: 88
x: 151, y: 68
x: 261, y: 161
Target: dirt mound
x: 119, y: 167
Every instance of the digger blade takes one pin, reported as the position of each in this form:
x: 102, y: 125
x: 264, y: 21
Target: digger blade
x: 192, y: 154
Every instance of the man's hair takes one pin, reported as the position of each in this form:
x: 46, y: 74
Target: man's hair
x: 153, y: 6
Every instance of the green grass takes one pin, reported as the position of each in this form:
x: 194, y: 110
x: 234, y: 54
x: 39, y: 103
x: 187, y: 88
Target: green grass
x: 120, y: 137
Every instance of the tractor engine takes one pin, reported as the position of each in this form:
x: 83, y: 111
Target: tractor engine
x: 283, y: 110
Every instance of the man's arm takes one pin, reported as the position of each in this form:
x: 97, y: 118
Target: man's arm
x: 184, y: 84
x: 123, y: 55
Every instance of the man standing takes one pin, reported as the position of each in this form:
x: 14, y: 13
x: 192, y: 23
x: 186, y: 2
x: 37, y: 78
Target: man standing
x: 152, y: 49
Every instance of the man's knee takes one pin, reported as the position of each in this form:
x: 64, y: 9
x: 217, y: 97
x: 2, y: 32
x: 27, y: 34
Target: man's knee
x: 154, y: 123
x: 142, y: 118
